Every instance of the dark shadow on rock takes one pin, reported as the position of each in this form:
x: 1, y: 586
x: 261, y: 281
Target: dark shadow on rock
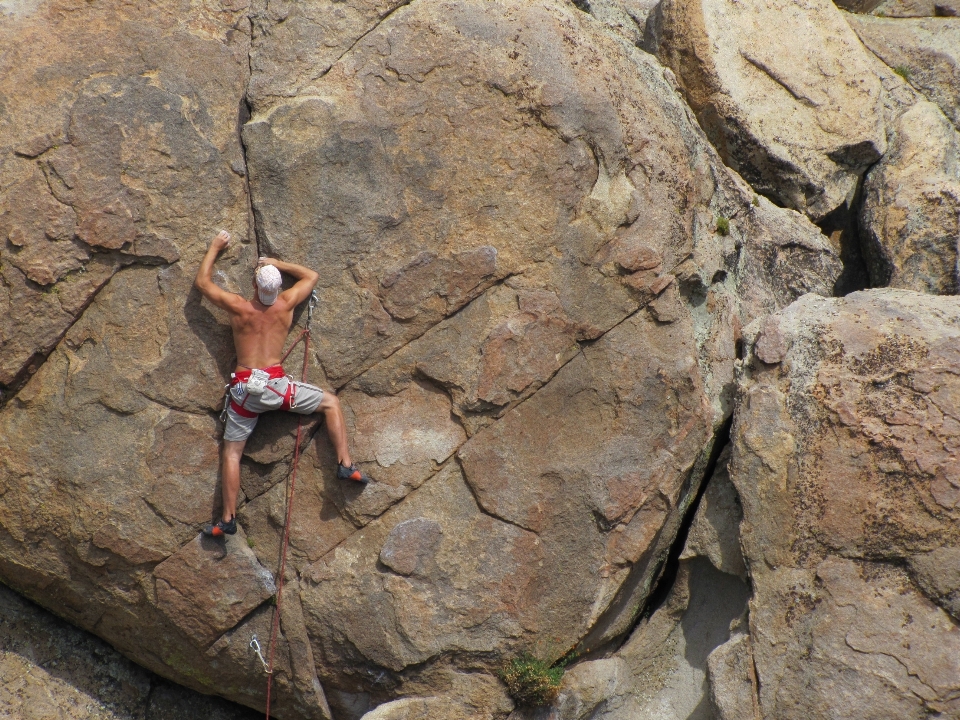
x: 214, y: 545
x: 216, y: 336
x: 842, y: 226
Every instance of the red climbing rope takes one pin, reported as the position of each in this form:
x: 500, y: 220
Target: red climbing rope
x: 305, y: 336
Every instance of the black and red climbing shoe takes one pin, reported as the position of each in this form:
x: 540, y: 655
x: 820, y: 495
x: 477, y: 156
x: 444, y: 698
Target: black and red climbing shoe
x: 221, y: 528
x: 351, y: 473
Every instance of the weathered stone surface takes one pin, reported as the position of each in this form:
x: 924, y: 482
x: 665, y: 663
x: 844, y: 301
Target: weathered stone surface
x: 715, y: 531
x: 784, y: 90
x: 296, y: 43
x: 526, y: 304
x: 861, y: 6
x: 733, y: 680
x: 625, y: 17
x: 207, y: 587
x: 926, y: 51
x: 661, y: 671
x: 494, y: 307
x: 127, y: 118
x: 49, y: 669
x: 910, y: 218
x: 914, y: 8
x: 100, y: 125
x: 845, y: 457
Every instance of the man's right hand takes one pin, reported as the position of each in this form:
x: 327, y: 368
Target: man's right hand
x: 221, y: 241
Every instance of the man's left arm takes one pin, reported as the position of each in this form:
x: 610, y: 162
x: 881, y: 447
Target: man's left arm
x: 306, y: 280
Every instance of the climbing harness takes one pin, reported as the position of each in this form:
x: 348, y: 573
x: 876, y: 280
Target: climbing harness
x: 275, y: 629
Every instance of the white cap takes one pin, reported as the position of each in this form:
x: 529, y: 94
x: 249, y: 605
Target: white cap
x: 268, y: 284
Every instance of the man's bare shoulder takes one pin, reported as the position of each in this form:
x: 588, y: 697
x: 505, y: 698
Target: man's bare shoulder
x: 236, y: 304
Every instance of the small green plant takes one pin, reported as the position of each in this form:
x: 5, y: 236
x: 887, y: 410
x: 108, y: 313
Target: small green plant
x: 723, y: 225
x: 250, y: 542
x: 756, y: 201
x: 531, y: 681
x: 903, y: 71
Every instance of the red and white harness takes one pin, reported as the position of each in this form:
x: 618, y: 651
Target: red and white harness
x: 275, y: 372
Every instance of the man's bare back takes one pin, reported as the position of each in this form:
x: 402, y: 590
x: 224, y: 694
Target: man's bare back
x: 259, y: 331
x: 260, y: 327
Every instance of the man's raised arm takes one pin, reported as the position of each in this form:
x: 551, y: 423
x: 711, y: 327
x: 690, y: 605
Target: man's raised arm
x: 306, y: 280
x: 204, y: 281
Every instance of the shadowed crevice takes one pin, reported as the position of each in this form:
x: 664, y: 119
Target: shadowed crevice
x: 666, y: 561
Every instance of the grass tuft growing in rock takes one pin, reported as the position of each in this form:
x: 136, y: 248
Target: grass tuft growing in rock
x: 723, y: 225
x: 903, y: 71
x: 531, y: 681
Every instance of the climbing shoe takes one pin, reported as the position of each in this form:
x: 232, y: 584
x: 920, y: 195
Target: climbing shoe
x: 221, y: 528
x: 351, y: 473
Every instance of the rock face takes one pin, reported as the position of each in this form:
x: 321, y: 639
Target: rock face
x: 49, y: 669
x: 628, y: 18
x: 661, y: 671
x: 504, y: 264
x: 910, y: 218
x: 99, y: 126
x: 926, y: 51
x: 528, y: 302
x: 912, y: 8
x: 797, y: 112
x: 846, y: 446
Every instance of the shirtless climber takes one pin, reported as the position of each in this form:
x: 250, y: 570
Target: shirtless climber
x: 260, y: 328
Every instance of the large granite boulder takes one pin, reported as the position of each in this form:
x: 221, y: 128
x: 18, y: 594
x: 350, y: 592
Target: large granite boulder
x: 783, y: 89
x: 533, y: 317
x: 925, y: 51
x: 846, y: 443
x: 114, y: 151
x: 661, y: 672
x: 49, y: 669
x: 534, y: 271
x: 910, y: 217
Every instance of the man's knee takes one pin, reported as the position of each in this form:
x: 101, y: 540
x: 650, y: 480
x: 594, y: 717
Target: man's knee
x: 233, y: 450
x: 330, y: 401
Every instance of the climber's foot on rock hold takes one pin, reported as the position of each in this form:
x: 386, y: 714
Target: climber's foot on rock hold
x: 221, y: 528
x: 352, y: 473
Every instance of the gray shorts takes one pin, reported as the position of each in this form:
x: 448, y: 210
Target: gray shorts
x: 243, y: 409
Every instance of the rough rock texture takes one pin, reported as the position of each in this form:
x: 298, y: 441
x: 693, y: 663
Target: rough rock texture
x: 733, y: 680
x: 846, y: 445
x: 49, y: 669
x: 519, y: 248
x: 294, y: 44
x: 925, y: 51
x: 120, y: 145
x: 715, y: 531
x: 113, y: 151
x: 783, y: 89
x: 527, y: 306
x: 910, y: 217
x: 661, y: 671
x: 625, y: 17
x: 913, y: 8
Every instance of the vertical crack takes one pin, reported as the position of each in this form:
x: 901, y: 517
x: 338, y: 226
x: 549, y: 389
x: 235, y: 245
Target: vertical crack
x: 244, y: 114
